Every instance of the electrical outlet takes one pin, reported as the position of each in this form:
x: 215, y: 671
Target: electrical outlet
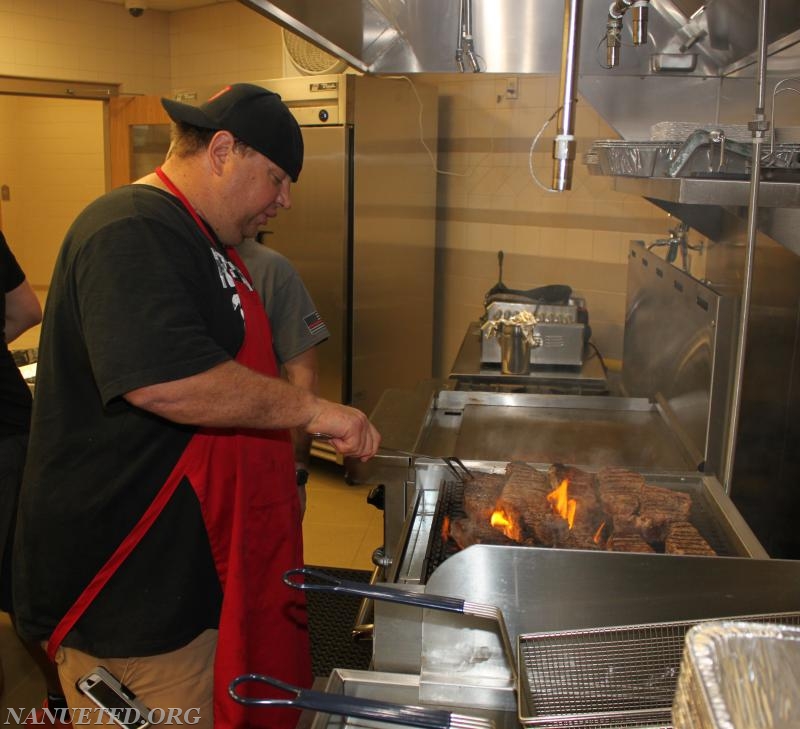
x: 512, y: 88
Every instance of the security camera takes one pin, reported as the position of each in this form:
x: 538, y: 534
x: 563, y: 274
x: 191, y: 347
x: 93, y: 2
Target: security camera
x: 136, y: 7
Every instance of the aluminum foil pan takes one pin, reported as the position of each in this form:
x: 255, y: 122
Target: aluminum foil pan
x: 739, y: 675
x: 634, y: 159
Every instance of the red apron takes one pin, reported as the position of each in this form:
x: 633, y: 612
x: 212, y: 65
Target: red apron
x: 245, y: 482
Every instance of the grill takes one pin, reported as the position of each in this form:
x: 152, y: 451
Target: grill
x: 450, y: 504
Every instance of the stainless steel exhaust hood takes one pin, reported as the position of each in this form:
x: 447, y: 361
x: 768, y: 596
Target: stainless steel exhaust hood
x: 519, y: 36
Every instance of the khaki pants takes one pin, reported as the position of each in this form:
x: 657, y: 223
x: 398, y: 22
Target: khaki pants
x: 181, y: 681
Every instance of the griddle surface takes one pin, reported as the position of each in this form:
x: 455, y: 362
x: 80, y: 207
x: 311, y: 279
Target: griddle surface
x: 628, y: 438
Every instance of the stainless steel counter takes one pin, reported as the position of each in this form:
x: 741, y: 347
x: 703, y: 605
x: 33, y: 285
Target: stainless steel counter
x: 469, y: 373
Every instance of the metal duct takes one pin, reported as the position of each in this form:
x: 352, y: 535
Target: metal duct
x: 564, y: 142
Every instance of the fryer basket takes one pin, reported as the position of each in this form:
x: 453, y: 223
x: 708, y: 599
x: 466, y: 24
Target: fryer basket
x: 621, y: 677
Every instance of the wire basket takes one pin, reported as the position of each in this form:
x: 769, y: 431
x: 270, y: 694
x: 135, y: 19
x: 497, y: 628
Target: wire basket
x: 621, y: 677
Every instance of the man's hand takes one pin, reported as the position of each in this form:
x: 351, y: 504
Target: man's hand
x: 350, y: 431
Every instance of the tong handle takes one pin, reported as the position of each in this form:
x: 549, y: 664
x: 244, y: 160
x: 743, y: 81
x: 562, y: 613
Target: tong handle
x: 342, y: 705
x: 375, y: 592
x: 269, y: 681
x: 456, y: 465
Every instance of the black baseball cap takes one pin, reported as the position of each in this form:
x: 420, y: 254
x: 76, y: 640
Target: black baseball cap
x: 252, y: 114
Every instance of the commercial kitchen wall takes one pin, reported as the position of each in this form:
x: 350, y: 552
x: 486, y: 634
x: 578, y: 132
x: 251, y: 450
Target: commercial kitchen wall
x: 487, y: 198
x: 52, y: 160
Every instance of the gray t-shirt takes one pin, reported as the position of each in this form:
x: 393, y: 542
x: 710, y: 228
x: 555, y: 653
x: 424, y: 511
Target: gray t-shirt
x: 295, y: 321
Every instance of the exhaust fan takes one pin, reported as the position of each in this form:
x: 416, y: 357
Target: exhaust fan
x: 307, y: 59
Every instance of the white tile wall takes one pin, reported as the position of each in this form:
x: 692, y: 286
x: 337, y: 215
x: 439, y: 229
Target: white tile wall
x: 52, y: 158
x: 85, y: 40
x: 214, y: 45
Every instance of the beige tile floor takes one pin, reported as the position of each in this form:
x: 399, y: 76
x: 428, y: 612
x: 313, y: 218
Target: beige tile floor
x: 340, y: 530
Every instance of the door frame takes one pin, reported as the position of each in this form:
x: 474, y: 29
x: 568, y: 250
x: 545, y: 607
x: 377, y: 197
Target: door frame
x: 123, y: 113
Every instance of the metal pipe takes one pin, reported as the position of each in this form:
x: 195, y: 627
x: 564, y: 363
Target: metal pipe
x: 616, y: 10
x: 613, y: 40
x: 564, y: 142
x: 759, y: 126
x: 466, y: 42
x: 639, y: 24
x: 459, y: 48
x: 469, y: 42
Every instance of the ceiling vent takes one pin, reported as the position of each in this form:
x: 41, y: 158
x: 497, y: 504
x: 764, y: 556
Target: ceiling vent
x: 301, y: 56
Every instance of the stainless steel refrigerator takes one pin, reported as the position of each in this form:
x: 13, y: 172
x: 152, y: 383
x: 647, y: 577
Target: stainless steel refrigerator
x: 362, y: 227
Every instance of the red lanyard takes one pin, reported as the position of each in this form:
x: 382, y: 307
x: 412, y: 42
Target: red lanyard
x: 173, y: 188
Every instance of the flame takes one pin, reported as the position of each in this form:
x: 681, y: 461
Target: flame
x: 503, y: 522
x: 598, y: 535
x: 562, y: 504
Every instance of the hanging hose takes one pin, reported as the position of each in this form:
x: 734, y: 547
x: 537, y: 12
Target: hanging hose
x: 759, y: 126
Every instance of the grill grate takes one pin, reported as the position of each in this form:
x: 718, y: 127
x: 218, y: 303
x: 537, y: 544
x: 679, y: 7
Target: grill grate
x: 613, y: 678
x: 450, y: 504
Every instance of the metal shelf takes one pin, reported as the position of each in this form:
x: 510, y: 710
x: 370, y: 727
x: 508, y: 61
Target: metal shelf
x: 708, y: 191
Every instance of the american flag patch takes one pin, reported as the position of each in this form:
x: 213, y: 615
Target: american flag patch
x: 314, y: 322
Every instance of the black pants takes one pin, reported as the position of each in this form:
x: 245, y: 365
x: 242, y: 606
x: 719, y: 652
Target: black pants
x: 12, y: 461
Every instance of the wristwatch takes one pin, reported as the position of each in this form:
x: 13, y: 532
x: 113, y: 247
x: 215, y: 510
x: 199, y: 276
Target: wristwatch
x: 301, y: 474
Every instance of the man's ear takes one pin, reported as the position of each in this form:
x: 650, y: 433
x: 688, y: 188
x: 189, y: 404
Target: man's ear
x: 219, y: 149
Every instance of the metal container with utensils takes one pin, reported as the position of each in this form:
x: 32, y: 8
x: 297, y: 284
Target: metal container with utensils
x: 515, y: 350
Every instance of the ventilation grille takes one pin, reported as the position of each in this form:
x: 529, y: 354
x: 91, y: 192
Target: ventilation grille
x: 307, y: 58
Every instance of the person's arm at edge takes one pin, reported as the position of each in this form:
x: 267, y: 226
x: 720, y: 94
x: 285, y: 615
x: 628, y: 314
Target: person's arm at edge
x: 23, y: 311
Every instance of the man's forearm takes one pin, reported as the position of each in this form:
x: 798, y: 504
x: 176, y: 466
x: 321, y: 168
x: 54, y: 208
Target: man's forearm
x: 228, y: 396
x: 302, y: 372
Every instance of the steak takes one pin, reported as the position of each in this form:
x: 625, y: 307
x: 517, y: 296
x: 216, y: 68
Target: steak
x: 481, y: 494
x: 580, y: 484
x: 628, y: 542
x: 544, y: 528
x: 582, y: 536
x: 465, y: 532
x: 661, y: 507
x: 662, y: 504
x: 683, y: 538
x: 620, y: 494
x: 525, y: 477
x: 524, y: 497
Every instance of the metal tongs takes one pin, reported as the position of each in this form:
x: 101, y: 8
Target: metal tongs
x: 341, y: 705
x: 456, y: 465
